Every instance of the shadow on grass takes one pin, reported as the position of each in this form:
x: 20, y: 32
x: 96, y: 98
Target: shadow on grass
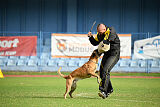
x: 58, y: 97
x: 54, y: 97
x: 88, y: 98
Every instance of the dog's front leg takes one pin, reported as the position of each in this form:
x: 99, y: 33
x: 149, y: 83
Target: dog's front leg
x: 98, y: 79
x: 95, y: 75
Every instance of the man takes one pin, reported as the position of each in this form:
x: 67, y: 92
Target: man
x: 108, y: 36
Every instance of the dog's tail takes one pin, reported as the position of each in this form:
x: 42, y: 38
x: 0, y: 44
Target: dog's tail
x: 64, y: 76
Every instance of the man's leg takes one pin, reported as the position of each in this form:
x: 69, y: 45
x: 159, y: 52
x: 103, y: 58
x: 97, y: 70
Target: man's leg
x: 107, y: 64
x: 112, y: 60
x: 110, y: 88
x: 102, y: 73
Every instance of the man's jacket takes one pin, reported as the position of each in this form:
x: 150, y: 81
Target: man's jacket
x: 109, y: 37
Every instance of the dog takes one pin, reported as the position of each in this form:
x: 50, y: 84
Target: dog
x: 85, y: 71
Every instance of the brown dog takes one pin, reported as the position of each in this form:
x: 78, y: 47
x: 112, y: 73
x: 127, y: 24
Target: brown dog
x: 85, y: 71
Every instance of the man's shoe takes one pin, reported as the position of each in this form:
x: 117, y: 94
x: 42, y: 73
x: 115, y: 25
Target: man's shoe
x: 111, y: 91
x: 102, y: 94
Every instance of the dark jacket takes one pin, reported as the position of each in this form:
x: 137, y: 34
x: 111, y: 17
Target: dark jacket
x: 111, y: 37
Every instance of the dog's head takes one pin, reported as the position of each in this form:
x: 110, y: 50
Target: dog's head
x: 95, y: 56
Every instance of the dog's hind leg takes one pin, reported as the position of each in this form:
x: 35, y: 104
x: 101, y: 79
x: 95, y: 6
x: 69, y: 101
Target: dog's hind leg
x: 73, y: 87
x: 68, y: 86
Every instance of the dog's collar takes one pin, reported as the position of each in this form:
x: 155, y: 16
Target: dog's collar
x: 93, y: 62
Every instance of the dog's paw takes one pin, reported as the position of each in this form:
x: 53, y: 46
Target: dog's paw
x: 70, y: 95
x: 98, y: 80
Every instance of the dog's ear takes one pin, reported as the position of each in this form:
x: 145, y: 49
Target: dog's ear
x: 97, y: 53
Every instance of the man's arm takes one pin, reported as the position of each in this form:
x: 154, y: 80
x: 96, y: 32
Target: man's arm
x: 93, y: 41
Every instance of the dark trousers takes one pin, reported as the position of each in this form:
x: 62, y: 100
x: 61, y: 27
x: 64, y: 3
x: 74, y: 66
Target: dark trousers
x: 108, y: 62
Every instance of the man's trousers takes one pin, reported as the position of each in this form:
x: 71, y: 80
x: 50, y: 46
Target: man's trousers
x: 109, y: 60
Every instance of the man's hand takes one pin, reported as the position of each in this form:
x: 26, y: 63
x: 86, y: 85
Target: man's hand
x: 89, y: 34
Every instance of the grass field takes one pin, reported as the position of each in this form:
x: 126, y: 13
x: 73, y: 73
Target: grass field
x: 48, y: 92
x: 66, y: 73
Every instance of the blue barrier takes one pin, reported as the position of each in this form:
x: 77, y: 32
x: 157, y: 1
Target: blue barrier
x: 49, y: 64
x: 44, y: 62
x: 52, y: 63
x: 11, y: 62
x: 155, y: 64
x: 21, y: 62
x: 2, y: 63
x: 32, y: 63
x: 134, y: 63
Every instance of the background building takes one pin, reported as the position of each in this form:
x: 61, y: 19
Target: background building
x: 141, y: 18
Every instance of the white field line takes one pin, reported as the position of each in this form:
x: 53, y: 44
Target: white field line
x: 82, y: 94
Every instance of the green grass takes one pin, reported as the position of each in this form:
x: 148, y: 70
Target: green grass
x: 66, y: 73
x: 48, y: 92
